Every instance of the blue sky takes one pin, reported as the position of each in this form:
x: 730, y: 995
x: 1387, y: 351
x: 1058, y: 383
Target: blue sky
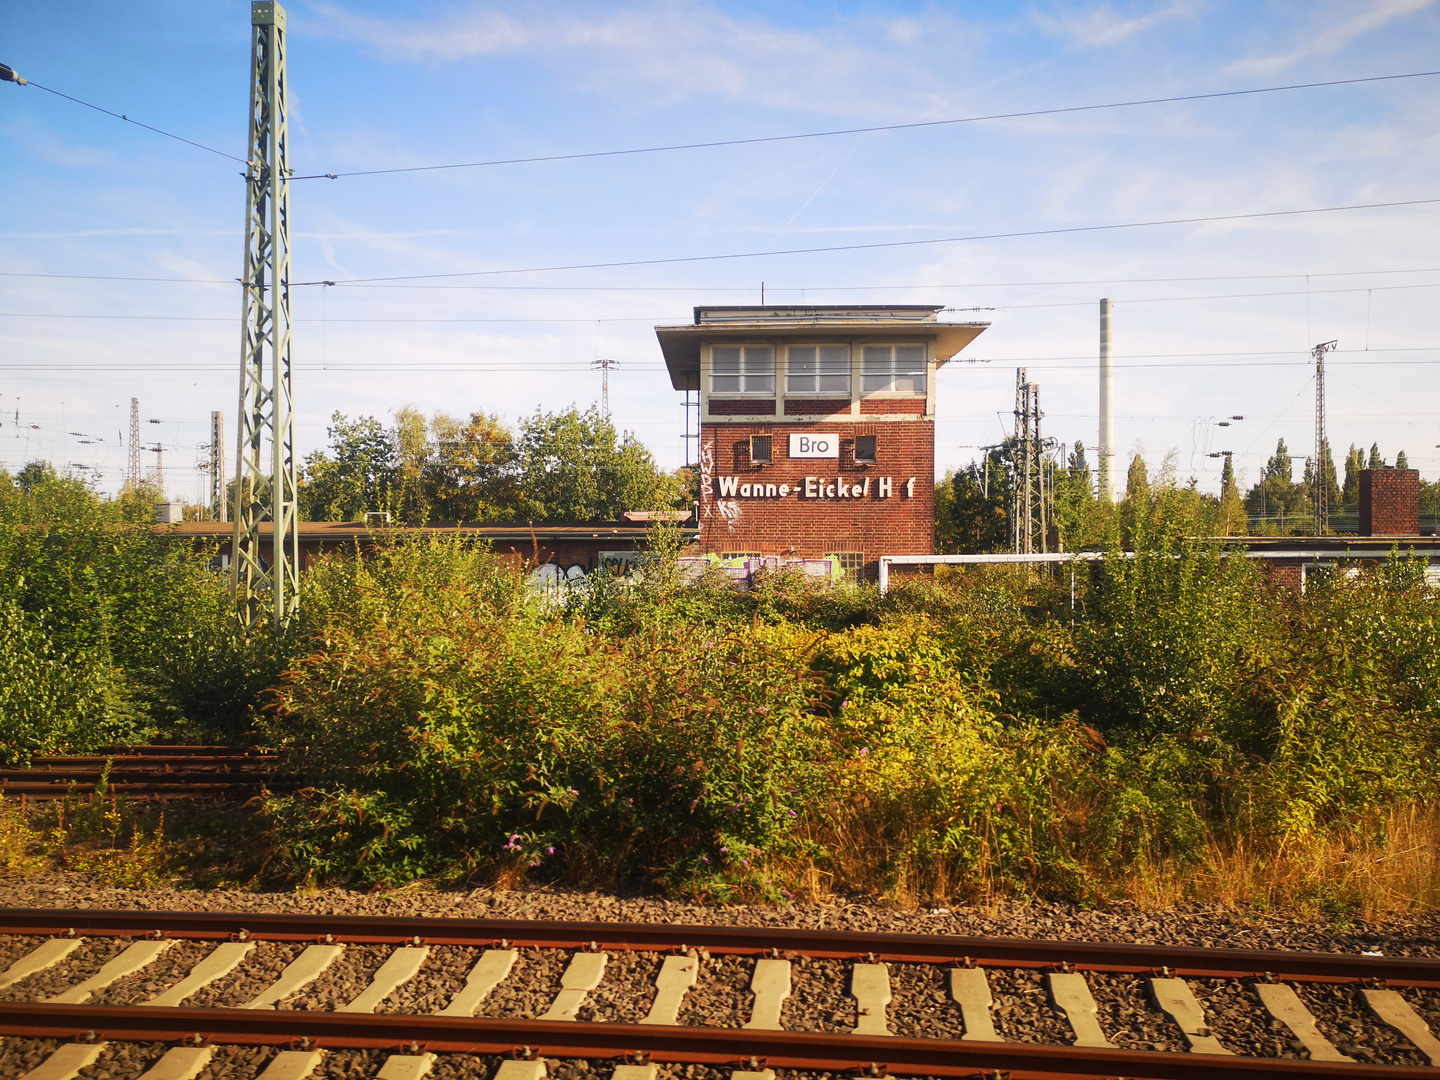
x: 383, y: 85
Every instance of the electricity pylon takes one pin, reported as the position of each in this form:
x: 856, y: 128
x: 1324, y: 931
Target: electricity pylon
x: 605, y: 365
x: 265, y: 501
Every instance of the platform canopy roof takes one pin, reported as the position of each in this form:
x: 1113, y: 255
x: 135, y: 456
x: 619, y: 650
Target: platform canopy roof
x: 894, y: 322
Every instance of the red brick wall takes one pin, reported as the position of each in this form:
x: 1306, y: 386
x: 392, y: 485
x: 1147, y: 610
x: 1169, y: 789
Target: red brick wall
x: 1389, y: 502
x: 813, y: 406
x: 813, y: 526
x: 742, y: 408
x: 893, y: 406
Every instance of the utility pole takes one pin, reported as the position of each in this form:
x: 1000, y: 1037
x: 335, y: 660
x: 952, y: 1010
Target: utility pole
x: 605, y: 365
x: 266, y: 575
x: 217, y: 467
x: 133, y: 478
x: 160, y: 470
x: 1320, y: 495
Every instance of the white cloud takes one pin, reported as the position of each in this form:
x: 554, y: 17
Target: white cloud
x: 472, y: 33
x: 1102, y: 25
x: 872, y: 66
x: 1320, y: 40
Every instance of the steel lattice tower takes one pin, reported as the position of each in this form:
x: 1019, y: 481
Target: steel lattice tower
x: 134, y: 476
x: 265, y: 504
x: 1029, y: 509
x: 1319, y: 474
x: 216, y: 465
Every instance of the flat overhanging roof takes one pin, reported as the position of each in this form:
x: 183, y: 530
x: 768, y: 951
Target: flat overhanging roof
x: 681, y: 344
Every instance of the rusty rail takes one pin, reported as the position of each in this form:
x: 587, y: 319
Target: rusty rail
x: 1179, y: 961
x: 750, y: 1050
x: 150, y: 771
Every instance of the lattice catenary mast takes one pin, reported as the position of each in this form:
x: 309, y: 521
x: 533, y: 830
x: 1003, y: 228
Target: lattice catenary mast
x: 216, y: 465
x: 1029, y: 516
x: 1319, y: 474
x: 266, y: 575
x: 133, y: 476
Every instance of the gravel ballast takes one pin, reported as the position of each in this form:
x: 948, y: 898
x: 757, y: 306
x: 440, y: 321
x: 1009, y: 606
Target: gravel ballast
x: 91, y: 955
x: 820, y: 999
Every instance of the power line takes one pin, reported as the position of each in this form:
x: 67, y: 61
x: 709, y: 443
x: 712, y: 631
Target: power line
x: 1020, y: 234
x: 867, y: 130
x: 1047, y: 363
x: 769, y: 288
x: 1213, y: 296
x: 662, y: 318
x: 137, y: 123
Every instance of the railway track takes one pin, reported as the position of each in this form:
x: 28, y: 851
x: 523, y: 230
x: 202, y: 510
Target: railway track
x: 733, y: 1001
x: 146, y: 771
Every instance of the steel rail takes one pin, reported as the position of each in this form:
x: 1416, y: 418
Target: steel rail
x: 1178, y: 961
x: 814, y: 1051
x: 182, y: 771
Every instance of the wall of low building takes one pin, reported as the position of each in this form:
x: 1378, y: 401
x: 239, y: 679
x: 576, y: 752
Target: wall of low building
x: 812, y: 507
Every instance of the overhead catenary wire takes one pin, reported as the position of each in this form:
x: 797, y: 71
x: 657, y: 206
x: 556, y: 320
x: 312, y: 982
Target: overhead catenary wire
x: 661, y: 318
x: 137, y: 123
x: 838, y: 132
x: 1298, y: 274
x: 1065, y: 230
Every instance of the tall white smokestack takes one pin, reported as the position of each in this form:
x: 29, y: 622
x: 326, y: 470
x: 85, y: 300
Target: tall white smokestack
x: 1107, y: 408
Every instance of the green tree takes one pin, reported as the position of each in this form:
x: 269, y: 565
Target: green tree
x: 410, y: 496
x: 1230, y: 512
x: 973, y: 508
x: 1277, y: 499
x: 471, y: 474
x: 1401, y: 461
x: 1137, y: 478
x: 1354, y: 463
x: 1077, y: 516
x: 1376, y: 461
x: 1333, y: 497
x: 359, y: 473
x: 571, y: 466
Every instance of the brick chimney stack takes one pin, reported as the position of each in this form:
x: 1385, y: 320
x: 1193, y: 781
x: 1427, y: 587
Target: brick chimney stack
x: 1389, y: 502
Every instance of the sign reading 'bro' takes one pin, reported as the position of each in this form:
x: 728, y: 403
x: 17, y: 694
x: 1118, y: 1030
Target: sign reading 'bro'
x: 815, y: 444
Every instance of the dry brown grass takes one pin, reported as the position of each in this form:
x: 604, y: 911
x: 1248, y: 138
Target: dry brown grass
x: 1385, y: 866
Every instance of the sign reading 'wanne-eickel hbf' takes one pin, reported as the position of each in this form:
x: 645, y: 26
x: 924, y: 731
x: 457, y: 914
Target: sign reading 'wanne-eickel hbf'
x: 814, y: 487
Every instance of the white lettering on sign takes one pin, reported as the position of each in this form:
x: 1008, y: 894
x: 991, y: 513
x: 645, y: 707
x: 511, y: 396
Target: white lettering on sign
x: 813, y: 487
x: 815, y: 444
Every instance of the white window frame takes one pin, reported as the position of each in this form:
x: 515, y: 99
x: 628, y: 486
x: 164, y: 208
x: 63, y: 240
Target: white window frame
x: 820, y: 373
x: 921, y: 376
x: 744, y: 349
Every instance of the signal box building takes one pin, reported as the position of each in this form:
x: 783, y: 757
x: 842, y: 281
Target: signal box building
x: 816, y: 427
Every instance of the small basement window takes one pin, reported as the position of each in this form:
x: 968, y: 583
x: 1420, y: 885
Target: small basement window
x: 865, y: 449
x: 817, y: 369
x: 748, y: 369
x: 761, y: 452
x: 893, y: 369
